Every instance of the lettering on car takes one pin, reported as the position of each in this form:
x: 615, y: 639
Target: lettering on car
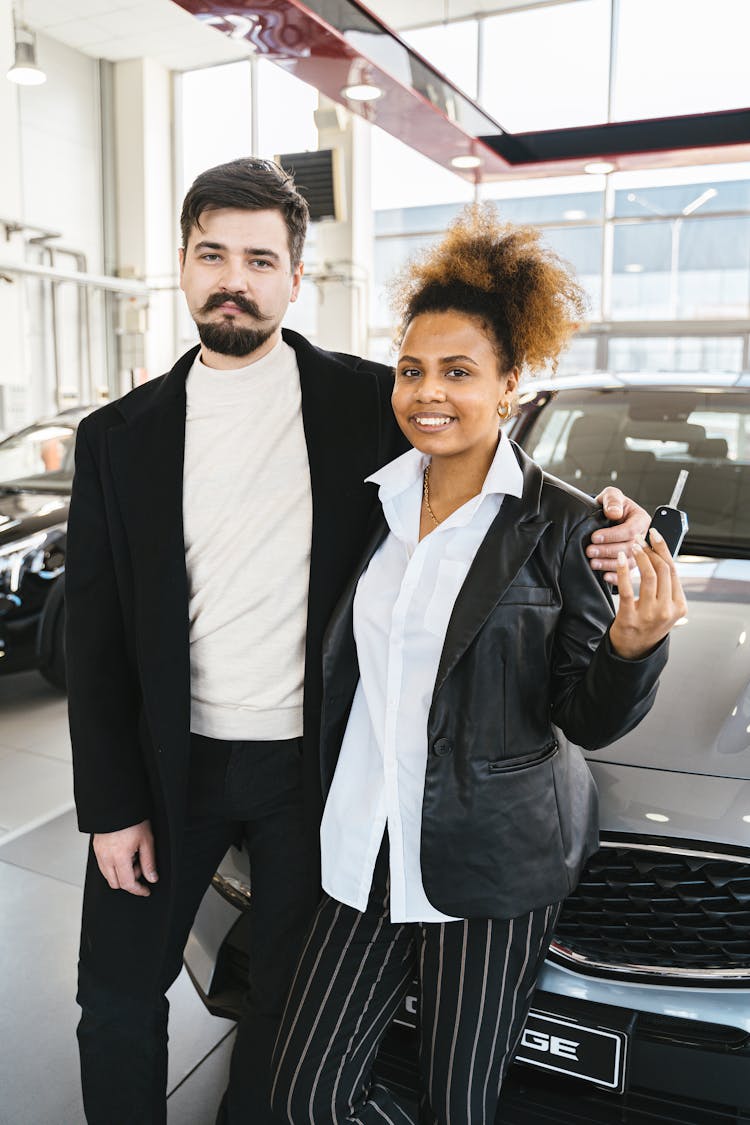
x: 550, y: 1044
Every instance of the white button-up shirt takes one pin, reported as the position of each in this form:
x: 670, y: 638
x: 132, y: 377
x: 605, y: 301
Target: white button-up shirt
x: 402, y: 606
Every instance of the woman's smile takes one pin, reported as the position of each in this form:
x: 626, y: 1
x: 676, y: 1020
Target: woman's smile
x: 431, y: 421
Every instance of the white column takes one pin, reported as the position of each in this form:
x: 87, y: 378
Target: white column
x: 14, y: 375
x: 346, y: 247
x: 146, y: 222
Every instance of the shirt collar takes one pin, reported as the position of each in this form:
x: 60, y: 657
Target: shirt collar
x: 504, y: 476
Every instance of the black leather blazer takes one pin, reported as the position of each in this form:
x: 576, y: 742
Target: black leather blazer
x: 510, y: 811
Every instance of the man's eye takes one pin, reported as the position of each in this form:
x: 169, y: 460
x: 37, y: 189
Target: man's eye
x: 210, y: 257
x: 261, y: 262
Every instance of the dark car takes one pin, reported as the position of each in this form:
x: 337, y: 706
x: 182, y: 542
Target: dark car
x: 36, y: 474
x: 642, y: 1010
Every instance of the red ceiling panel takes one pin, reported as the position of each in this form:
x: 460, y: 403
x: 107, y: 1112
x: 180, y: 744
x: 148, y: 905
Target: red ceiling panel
x: 335, y: 44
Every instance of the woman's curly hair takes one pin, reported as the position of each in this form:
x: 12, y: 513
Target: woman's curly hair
x: 500, y: 273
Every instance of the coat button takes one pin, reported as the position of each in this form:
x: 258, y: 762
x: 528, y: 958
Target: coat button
x: 442, y: 747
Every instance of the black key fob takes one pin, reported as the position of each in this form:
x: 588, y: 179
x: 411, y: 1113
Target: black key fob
x: 672, y: 524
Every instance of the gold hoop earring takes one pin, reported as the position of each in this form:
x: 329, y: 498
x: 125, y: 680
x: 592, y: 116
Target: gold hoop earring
x: 505, y: 413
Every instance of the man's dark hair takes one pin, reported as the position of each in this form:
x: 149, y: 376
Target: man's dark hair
x: 250, y: 184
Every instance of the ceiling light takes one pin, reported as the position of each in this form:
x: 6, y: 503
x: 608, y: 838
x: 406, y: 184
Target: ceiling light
x: 466, y: 161
x: 660, y: 818
x: 572, y: 216
x: 25, y: 71
x: 634, y: 267
x: 599, y: 167
x: 363, y: 92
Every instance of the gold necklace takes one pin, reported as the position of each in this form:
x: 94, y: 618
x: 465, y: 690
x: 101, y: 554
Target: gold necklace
x: 426, y: 494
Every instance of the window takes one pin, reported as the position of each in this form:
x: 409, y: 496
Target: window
x: 286, y: 112
x: 676, y: 353
x: 208, y: 137
x: 547, y: 68
x: 680, y: 56
x: 452, y: 49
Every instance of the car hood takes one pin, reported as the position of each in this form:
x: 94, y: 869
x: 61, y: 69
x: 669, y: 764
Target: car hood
x: 700, y: 722
x: 24, y: 513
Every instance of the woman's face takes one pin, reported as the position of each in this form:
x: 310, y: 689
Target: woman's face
x: 449, y: 385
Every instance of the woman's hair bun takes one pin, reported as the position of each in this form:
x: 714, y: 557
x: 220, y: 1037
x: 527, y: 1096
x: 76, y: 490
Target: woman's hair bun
x: 502, y: 273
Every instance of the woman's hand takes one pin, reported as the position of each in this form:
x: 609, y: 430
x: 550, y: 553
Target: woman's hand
x: 629, y: 519
x: 643, y: 621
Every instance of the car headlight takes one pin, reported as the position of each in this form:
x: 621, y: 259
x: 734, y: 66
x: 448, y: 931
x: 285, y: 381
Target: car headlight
x: 41, y: 553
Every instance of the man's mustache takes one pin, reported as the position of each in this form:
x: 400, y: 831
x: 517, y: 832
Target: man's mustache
x: 242, y: 303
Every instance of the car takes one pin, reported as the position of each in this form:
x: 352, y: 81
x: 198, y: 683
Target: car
x: 642, y: 1010
x: 36, y: 475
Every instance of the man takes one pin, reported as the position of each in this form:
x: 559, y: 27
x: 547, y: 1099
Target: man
x: 216, y: 515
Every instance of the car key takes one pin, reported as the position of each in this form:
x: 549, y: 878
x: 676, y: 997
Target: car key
x: 669, y: 520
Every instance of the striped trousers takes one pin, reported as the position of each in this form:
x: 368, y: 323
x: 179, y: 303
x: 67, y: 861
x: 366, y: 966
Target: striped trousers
x: 476, y: 979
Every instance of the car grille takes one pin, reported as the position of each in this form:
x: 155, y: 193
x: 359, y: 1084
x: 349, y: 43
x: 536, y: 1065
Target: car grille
x: 648, y: 910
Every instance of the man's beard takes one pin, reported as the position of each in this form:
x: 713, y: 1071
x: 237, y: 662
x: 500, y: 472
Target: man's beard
x: 225, y: 336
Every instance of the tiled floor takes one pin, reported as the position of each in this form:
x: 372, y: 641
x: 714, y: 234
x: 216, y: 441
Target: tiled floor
x: 42, y: 857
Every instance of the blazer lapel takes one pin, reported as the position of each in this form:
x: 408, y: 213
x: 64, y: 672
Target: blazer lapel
x: 339, y: 636
x: 147, y: 456
x: 508, y: 544
x: 340, y: 414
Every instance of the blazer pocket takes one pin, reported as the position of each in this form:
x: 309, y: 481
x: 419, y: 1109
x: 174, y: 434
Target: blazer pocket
x: 524, y: 761
x: 527, y: 595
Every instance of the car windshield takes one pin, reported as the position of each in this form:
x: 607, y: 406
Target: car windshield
x: 639, y: 438
x: 39, y: 457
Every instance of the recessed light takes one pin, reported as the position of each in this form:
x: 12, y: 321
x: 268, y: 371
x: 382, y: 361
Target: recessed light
x: 466, y: 161
x: 746, y: 819
x: 660, y: 818
x: 362, y: 92
x: 572, y: 216
x: 599, y: 167
x: 634, y: 267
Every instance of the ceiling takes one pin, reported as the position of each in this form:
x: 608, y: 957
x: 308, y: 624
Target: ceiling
x: 128, y: 29
x: 161, y: 30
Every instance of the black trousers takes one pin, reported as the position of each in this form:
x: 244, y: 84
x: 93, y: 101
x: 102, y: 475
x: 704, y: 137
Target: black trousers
x: 249, y: 791
x: 476, y: 979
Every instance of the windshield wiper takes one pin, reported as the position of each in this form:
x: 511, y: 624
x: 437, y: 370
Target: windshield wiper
x: 10, y: 490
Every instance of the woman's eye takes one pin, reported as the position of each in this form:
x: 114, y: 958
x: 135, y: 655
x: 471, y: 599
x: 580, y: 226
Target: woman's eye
x: 409, y: 372
x: 456, y: 372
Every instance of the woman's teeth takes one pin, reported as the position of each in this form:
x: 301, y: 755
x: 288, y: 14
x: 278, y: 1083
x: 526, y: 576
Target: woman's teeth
x: 431, y: 421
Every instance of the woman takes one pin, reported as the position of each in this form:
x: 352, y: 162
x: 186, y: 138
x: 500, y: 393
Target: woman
x: 455, y: 821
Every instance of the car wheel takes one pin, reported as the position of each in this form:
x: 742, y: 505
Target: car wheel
x: 54, y: 670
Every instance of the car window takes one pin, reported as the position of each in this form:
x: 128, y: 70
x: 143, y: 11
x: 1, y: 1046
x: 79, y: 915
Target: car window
x: 39, y: 455
x: 640, y: 438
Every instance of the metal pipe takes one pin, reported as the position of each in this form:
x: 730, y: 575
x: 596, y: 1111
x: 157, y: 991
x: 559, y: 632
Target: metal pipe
x: 92, y: 280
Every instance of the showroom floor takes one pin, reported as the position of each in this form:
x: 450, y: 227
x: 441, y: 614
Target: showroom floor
x: 42, y: 858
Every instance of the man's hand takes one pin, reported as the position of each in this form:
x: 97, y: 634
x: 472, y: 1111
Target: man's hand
x: 631, y: 520
x: 126, y: 855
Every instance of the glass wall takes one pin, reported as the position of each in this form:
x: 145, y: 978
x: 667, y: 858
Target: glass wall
x: 653, y: 250
x: 664, y: 256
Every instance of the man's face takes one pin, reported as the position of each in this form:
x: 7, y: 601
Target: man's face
x: 238, y: 280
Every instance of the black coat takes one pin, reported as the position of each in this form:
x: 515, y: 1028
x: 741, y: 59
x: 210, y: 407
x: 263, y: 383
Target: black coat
x: 510, y: 813
x: 127, y: 637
